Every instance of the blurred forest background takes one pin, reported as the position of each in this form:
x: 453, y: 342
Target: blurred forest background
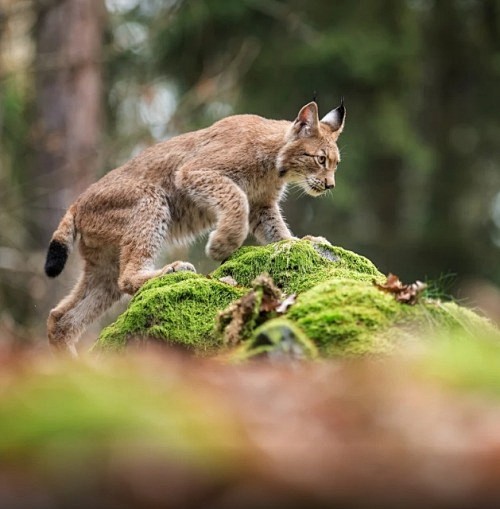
x: 86, y: 84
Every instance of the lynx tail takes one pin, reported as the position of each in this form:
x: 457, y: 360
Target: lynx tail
x: 60, y: 245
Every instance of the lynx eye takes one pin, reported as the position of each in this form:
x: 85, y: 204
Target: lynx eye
x: 321, y: 160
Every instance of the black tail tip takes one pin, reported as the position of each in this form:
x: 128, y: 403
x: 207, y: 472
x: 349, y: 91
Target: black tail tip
x: 56, y: 258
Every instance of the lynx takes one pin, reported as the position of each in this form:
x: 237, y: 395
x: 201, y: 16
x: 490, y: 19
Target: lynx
x: 229, y: 177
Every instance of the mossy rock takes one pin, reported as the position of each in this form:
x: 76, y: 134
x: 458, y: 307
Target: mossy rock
x: 178, y: 308
x: 338, y: 308
x: 345, y: 316
x: 349, y: 317
x: 181, y: 308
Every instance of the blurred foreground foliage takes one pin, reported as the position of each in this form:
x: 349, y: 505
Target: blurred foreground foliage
x: 158, y: 428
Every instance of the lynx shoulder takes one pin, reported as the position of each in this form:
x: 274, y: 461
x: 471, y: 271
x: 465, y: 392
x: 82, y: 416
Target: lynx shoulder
x: 228, y: 178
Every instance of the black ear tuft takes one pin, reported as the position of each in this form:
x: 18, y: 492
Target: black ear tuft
x: 341, y: 108
x: 336, y: 118
x: 56, y: 258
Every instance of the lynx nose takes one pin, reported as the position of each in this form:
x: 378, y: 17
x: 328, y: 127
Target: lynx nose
x: 329, y: 183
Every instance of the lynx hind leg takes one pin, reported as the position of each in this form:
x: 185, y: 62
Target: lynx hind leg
x: 141, y: 246
x: 145, y: 236
x: 93, y: 294
x: 137, y: 269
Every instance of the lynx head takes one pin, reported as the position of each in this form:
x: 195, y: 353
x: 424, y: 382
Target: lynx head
x: 310, y: 155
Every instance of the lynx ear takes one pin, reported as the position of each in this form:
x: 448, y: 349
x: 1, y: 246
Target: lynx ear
x: 336, y: 118
x: 307, y: 121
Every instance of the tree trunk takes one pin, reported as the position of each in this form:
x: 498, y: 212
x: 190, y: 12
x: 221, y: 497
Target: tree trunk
x: 68, y: 121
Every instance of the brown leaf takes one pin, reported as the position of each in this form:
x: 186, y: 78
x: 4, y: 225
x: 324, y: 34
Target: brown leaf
x: 271, y: 295
x: 262, y: 302
x: 268, y: 304
x: 407, y: 294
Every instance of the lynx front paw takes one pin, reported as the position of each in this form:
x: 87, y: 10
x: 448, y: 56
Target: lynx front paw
x: 316, y: 240
x: 221, y: 249
x: 178, y: 267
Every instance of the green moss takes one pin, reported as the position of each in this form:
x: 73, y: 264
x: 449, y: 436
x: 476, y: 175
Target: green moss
x: 297, y: 265
x: 182, y: 307
x: 178, y: 308
x: 451, y: 317
x: 349, y: 317
x: 345, y: 317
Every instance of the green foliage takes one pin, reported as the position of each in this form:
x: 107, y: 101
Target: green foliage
x: 14, y: 130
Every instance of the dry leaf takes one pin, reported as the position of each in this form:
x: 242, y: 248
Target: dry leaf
x: 407, y: 294
x: 263, y: 302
